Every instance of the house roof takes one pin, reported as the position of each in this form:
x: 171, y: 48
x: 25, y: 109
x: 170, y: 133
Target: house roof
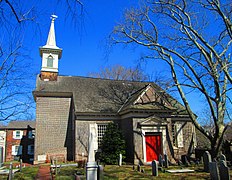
x: 100, y: 95
x: 20, y: 125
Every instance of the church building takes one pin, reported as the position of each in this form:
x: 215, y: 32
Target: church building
x: 68, y: 107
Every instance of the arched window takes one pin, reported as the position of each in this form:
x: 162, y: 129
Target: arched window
x: 50, y: 61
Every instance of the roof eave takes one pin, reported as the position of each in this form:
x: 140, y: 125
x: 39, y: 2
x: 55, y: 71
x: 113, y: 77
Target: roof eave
x: 51, y: 94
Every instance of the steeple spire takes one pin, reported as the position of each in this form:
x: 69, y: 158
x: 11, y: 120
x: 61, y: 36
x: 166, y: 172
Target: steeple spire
x: 50, y: 54
x: 51, y: 41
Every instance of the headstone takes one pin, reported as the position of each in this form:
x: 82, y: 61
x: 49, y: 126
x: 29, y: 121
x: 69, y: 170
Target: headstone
x: 160, y: 160
x: 166, y: 161
x: 184, y: 160
x: 206, y: 160
x: 154, y: 168
x: 120, y: 160
x: 213, y: 169
x: 139, y: 168
x: 100, y: 174
x: 224, y: 171
x: 142, y: 171
x: 223, y: 158
x: 133, y: 167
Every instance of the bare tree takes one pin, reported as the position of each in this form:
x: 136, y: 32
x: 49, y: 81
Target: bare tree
x: 119, y: 72
x: 15, y: 70
x: 194, y: 38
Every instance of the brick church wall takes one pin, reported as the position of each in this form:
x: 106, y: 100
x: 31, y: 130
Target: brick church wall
x: 53, y: 127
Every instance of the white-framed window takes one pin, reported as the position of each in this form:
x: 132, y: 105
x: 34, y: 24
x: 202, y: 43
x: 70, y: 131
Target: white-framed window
x: 31, y: 134
x: 101, y: 128
x: 50, y: 61
x: 17, y: 150
x: 17, y: 134
x: 177, y: 134
x: 30, y: 149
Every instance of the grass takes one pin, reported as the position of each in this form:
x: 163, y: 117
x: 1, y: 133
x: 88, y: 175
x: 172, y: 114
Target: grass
x: 28, y: 173
x: 125, y: 172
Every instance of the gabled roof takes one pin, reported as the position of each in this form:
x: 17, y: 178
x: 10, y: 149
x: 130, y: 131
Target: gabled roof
x: 20, y: 125
x: 105, y: 95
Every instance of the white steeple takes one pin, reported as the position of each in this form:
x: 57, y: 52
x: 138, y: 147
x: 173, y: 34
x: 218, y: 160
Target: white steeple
x: 50, y: 53
x: 51, y: 41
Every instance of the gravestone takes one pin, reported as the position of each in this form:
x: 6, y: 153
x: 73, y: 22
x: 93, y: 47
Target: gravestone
x: 184, y: 160
x: 100, y: 174
x: 213, y: 169
x: 223, y: 158
x: 166, y: 161
x: 120, y: 160
x: 138, y: 168
x: 224, y: 171
x: 154, y: 168
x: 206, y: 160
x: 160, y: 160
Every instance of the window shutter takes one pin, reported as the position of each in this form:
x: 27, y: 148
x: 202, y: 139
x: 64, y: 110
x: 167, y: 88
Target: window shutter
x: 179, y: 135
x: 13, y: 150
x: 20, y: 149
x: 14, y: 135
x: 21, y: 134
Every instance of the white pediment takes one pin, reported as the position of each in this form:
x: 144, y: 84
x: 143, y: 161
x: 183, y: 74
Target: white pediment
x: 153, y: 121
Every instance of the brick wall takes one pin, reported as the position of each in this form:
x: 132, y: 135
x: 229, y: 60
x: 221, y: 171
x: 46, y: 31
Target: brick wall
x: 54, y: 127
x: 10, y: 141
x: 24, y: 142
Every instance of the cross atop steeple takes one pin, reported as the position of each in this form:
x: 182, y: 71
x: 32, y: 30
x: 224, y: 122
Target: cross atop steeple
x: 50, y: 54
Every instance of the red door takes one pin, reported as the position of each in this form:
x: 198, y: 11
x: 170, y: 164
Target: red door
x: 153, y: 147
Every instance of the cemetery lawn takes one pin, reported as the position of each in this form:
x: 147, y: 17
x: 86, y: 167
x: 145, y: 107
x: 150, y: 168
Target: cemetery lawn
x: 113, y: 172
x: 27, y: 173
x: 126, y: 172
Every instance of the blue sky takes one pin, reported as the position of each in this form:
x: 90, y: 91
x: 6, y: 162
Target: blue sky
x: 84, y: 45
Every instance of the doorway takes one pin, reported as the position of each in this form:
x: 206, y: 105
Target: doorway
x: 153, y: 146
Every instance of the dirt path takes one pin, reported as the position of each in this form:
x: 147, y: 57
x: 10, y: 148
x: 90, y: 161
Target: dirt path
x: 44, y: 173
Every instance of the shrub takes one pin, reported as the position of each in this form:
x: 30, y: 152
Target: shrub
x: 112, y: 145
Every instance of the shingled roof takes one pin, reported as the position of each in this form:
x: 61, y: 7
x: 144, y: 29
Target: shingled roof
x: 20, y: 124
x: 94, y: 94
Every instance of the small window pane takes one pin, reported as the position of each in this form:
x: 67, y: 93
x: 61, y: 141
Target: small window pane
x: 101, y: 131
x: 50, y: 61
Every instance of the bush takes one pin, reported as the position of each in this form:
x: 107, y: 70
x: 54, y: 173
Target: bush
x: 113, y: 144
